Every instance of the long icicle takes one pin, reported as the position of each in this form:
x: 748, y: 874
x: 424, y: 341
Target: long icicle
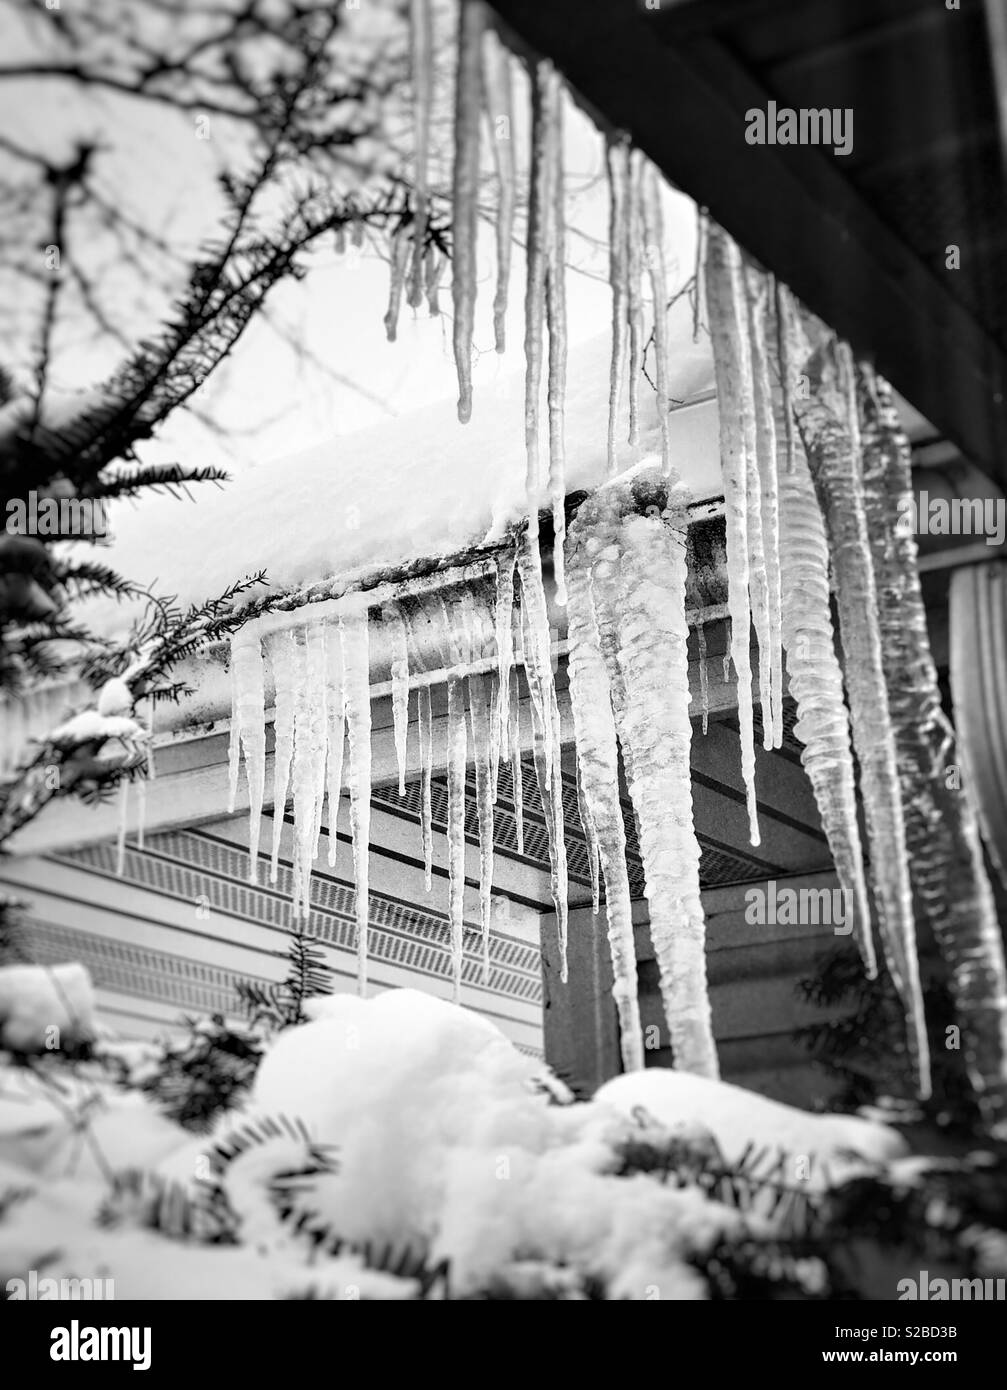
x: 479, y: 709
x: 426, y: 736
x: 816, y: 680
x: 400, y: 689
x: 838, y: 477
x: 704, y: 675
x: 457, y: 757
x: 465, y: 193
x: 516, y: 765
x: 317, y: 672
x: 638, y: 585
x: 309, y: 755
x: 617, y: 166
x: 723, y: 295
x: 539, y: 211
x: 335, y: 732
x: 503, y: 629
x: 634, y: 296
x: 758, y: 290
x: 498, y: 92
x: 353, y: 635
x: 537, y: 644
x: 284, y: 654
x: 422, y: 58
x: 248, y: 721
x: 951, y: 888
x: 556, y: 316
x: 598, y: 780
x: 653, y: 227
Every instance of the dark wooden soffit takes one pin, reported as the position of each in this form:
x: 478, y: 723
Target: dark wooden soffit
x: 860, y: 239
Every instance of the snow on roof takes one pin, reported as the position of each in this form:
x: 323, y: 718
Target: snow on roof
x: 421, y: 485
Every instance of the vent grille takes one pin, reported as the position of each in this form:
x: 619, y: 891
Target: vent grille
x: 192, y: 867
x: 536, y: 836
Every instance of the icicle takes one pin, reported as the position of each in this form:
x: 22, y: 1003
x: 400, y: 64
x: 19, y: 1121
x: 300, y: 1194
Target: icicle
x: 598, y: 783
x: 503, y: 624
x: 317, y: 674
x: 500, y: 113
x: 120, y: 842
x: 617, y: 163
x: 556, y: 314
x: 730, y: 355
x: 335, y: 733
x: 539, y: 213
x: 591, y: 841
x: 634, y: 240
x: 951, y: 887
x: 537, y: 644
x: 399, y: 261
x: 234, y: 741
x: 517, y: 774
x: 433, y: 273
x: 248, y: 725
x: 465, y: 193
x: 422, y: 56
x: 479, y: 708
x: 637, y: 569
x: 653, y: 228
x: 765, y: 452
x: 838, y: 482
x: 357, y: 692
x: 816, y: 684
x: 704, y: 676
x: 284, y: 658
x: 400, y: 689
x: 148, y: 776
x: 308, y: 769
x: 426, y: 737
x: 457, y: 757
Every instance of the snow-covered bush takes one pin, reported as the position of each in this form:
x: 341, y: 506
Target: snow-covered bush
x: 401, y: 1147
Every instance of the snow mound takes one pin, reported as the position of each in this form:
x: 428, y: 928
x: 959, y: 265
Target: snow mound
x: 736, y: 1118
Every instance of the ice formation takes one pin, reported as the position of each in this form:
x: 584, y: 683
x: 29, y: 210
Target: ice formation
x: 951, y: 889
x: 770, y: 643
x: 838, y: 477
x: 500, y: 113
x: 629, y: 650
x: 598, y: 778
x: 725, y: 300
x: 816, y: 684
x: 465, y: 193
x: 537, y: 651
x: 400, y: 690
x: 457, y: 753
x: 480, y: 710
x: 617, y: 158
x: 422, y: 57
x: 357, y: 694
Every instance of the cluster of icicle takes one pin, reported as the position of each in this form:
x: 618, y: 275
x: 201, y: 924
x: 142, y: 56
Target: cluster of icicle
x: 629, y: 686
x: 320, y: 676
x: 816, y: 473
